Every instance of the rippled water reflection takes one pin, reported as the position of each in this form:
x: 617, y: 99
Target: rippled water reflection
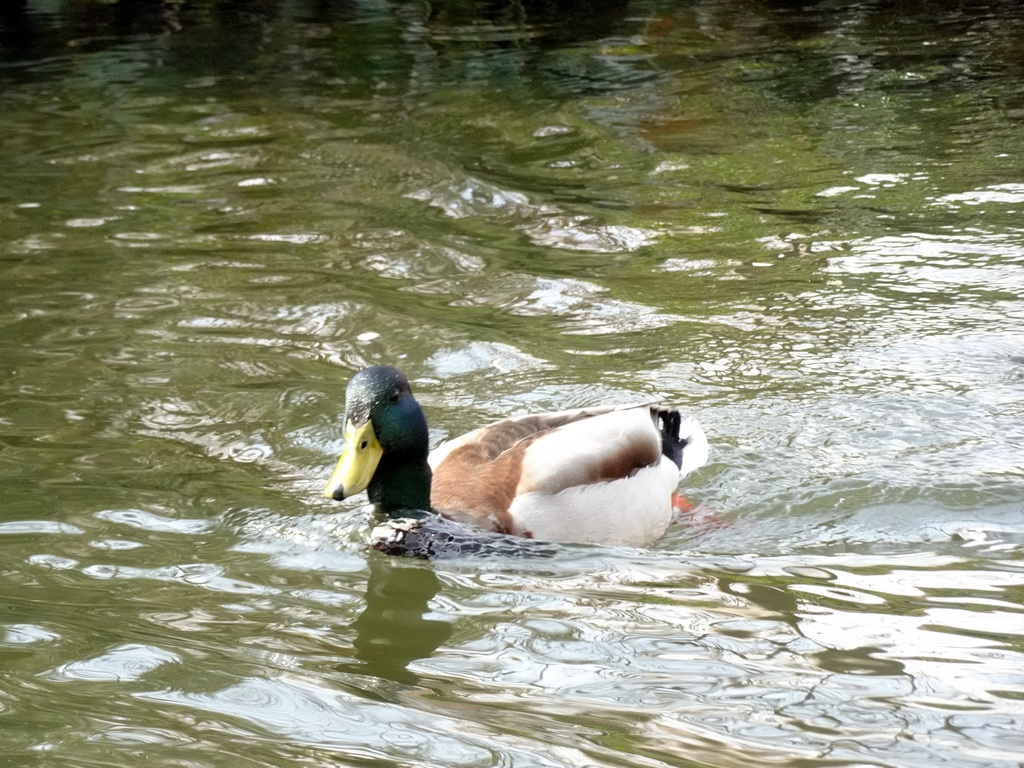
x: 802, y: 223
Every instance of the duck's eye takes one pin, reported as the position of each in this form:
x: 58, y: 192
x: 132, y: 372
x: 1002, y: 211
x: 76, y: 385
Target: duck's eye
x: 394, y: 398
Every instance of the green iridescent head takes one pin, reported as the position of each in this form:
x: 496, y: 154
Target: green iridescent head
x: 386, y: 444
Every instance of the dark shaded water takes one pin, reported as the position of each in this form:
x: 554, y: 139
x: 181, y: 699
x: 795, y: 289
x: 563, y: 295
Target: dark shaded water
x: 802, y: 223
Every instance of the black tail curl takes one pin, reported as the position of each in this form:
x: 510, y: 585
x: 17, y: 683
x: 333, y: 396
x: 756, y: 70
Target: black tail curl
x: 671, y: 444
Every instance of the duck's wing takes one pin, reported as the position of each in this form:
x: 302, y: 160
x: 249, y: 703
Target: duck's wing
x: 501, y: 436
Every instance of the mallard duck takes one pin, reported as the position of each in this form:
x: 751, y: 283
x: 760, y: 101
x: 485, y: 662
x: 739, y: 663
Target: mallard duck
x: 602, y: 475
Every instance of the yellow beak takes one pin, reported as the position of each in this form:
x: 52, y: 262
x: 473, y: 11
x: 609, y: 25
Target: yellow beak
x: 357, y: 463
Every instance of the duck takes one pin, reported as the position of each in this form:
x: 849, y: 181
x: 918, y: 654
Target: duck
x: 602, y: 475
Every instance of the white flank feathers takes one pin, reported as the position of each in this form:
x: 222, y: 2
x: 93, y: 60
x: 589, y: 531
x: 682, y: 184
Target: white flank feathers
x: 632, y: 511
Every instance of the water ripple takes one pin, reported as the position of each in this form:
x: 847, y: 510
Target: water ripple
x: 121, y: 664
x: 293, y: 707
x: 207, y: 576
x: 22, y: 527
x: 149, y: 521
x: 545, y: 225
x: 15, y: 635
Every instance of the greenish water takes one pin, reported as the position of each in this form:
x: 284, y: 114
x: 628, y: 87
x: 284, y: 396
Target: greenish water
x: 801, y: 223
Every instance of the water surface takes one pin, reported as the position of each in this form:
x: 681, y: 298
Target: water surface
x: 801, y: 223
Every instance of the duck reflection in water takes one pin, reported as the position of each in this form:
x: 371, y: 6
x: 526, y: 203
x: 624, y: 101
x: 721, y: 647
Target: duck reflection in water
x: 393, y: 629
